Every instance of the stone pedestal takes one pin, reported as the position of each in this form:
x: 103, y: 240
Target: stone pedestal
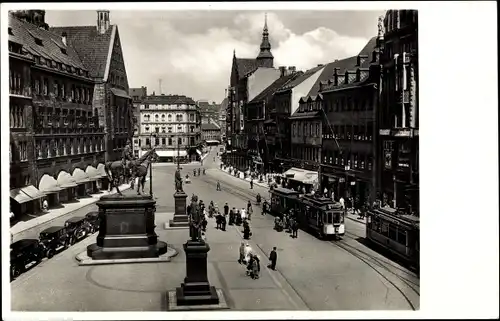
x: 127, y: 229
x: 180, y: 215
x: 196, y: 289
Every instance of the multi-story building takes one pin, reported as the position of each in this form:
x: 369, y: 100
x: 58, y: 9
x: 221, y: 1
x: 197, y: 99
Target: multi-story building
x: 172, y: 124
x: 249, y: 77
x: 398, y: 179
x: 99, y: 48
x: 257, y: 113
x: 208, y: 110
x: 350, y: 101
x: 138, y: 95
x: 210, y: 132
x: 56, y: 139
x: 222, y: 117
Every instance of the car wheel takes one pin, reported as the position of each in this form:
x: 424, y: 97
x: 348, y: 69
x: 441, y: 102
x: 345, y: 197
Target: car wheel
x: 14, y: 271
x: 72, y: 241
x: 50, y: 254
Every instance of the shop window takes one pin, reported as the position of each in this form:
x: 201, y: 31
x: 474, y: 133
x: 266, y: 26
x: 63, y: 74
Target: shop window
x: 401, y: 236
x: 384, y: 229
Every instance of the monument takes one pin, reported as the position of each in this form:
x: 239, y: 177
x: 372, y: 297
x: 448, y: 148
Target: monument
x: 180, y: 214
x: 196, y: 291
x: 127, y: 229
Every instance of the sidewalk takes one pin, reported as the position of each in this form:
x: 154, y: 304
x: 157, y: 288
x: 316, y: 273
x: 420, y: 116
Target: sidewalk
x: 68, y: 208
x: 256, y: 182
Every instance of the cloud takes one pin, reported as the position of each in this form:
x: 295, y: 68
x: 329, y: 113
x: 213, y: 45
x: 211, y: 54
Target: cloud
x: 192, y: 51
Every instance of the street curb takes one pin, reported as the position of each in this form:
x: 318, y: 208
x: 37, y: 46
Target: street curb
x: 242, y: 179
x: 356, y: 220
x: 83, y: 259
x: 95, y: 200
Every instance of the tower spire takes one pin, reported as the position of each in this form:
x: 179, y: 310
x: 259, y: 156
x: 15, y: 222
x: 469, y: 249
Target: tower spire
x: 265, y: 57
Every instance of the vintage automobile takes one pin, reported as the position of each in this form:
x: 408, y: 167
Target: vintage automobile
x: 93, y: 219
x: 54, y: 239
x: 77, y: 228
x: 24, y: 254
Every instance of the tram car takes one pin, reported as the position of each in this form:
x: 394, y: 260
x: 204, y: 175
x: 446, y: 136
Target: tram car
x: 323, y: 216
x: 282, y: 200
x: 397, y: 233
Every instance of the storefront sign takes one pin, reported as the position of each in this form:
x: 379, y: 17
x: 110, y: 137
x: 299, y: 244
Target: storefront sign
x: 384, y: 132
x: 402, y: 132
x: 353, y: 183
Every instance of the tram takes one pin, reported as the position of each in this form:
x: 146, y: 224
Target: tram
x: 282, y: 200
x: 397, y: 233
x: 323, y: 216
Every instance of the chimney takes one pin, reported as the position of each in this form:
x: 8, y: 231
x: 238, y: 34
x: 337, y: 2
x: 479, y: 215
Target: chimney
x: 320, y: 86
x: 282, y: 71
x: 336, y: 76
x: 64, y: 38
x: 346, y: 80
x: 291, y: 69
x: 375, y: 56
x: 358, y: 75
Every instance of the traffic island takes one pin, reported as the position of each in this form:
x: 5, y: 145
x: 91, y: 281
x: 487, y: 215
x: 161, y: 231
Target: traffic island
x: 84, y: 259
x: 196, y: 293
x: 127, y: 230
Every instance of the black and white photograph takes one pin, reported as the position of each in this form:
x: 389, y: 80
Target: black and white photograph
x: 246, y: 160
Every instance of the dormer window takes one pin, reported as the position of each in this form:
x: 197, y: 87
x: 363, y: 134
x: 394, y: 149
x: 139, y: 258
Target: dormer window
x: 63, y: 50
x: 38, y: 41
x: 10, y: 31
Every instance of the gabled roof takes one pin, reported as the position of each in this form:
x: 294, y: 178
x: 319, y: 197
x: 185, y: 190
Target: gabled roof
x: 367, y: 50
x: 275, y: 86
x: 51, y: 48
x: 245, y: 66
x: 92, y: 47
x: 170, y: 100
x: 305, y: 114
x: 209, y: 126
x: 297, y: 81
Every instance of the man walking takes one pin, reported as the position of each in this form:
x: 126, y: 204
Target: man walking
x: 273, y: 257
x: 251, y: 183
x: 242, y: 253
x: 226, y: 209
x: 249, y: 210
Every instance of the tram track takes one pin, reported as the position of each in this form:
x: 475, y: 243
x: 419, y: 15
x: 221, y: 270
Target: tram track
x: 357, y: 253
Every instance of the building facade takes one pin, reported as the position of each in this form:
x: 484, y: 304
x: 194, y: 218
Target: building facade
x: 99, y: 48
x: 56, y: 141
x: 208, y: 111
x: 171, y: 123
x: 398, y: 178
x: 210, y: 131
x: 350, y: 101
x: 138, y: 95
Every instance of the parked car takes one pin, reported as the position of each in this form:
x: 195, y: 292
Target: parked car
x: 94, y: 221
x: 54, y: 239
x: 77, y: 228
x: 24, y: 254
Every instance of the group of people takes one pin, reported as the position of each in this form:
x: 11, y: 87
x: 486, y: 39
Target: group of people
x: 251, y: 260
x: 288, y: 222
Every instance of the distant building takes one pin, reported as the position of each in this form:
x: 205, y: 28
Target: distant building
x: 138, y: 95
x: 222, y: 117
x: 208, y: 110
x: 172, y: 122
x: 210, y: 131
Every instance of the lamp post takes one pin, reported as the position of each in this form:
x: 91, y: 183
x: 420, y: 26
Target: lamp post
x: 151, y: 166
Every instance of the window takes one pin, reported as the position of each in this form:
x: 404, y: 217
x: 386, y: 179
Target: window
x: 146, y: 128
x: 401, y: 236
x: 169, y: 141
x: 157, y: 141
x: 45, y: 86
x: 163, y: 141
x: 191, y: 117
x: 157, y: 130
x: 37, y: 86
x: 191, y: 129
x: 179, y: 140
x: 169, y: 129
x: 147, y: 142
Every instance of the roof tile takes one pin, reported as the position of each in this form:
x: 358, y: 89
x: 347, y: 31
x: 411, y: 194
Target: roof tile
x: 275, y: 86
x: 245, y: 66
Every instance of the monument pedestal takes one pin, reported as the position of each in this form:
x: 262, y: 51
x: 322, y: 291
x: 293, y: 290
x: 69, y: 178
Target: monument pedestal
x: 127, y: 229
x: 196, y: 290
x: 181, y: 218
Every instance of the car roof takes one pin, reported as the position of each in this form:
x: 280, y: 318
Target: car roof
x: 92, y: 213
x: 52, y: 229
x: 23, y: 243
x: 75, y: 219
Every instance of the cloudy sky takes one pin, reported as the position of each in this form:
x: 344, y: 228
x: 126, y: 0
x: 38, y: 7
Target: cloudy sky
x: 191, y: 51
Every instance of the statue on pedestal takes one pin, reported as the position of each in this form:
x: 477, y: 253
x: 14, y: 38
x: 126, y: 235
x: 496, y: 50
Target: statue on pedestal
x: 178, y: 181
x: 195, y: 220
x: 381, y: 30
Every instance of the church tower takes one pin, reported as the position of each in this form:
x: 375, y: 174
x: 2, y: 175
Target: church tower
x: 265, y: 57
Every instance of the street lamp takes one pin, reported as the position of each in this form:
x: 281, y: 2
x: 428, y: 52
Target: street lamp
x: 151, y: 165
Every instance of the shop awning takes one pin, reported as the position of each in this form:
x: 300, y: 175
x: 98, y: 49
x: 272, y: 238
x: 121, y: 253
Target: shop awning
x: 33, y: 192
x: 65, y: 180
x: 120, y: 93
x: 92, y: 172
x: 171, y: 153
x: 301, y: 175
x: 48, y: 185
x: 80, y: 177
x: 100, y: 170
x: 19, y: 196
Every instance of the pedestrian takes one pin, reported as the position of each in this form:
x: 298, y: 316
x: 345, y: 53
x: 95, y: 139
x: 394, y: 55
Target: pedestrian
x: 247, y: 253
x: 341, y: 201
x: 295, y: 228
x: 223, y: 218
x: 251, y: 183
x: 243, y: 214
x: 249, y: 210
x: 273, y: 257
x: 242, y: 253
x: 218, y: 186
x: 45, y: 205
x: 255, y: 267
x: 226, y: 209
x: 333, y: 195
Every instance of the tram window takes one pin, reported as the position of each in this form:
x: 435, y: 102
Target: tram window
x: 334, y: 218
x: 392, y: 232
x: 401, y: 236
x: 342, y: 218
x: 384, y: 228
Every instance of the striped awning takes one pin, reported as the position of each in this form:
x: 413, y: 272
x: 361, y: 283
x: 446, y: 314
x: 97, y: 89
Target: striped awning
x: 48, y: 185
x: 171, y: 153
x: 19, y: 196
x: 33, y: 192
x: 65, y: 180
x: 92, y: 172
